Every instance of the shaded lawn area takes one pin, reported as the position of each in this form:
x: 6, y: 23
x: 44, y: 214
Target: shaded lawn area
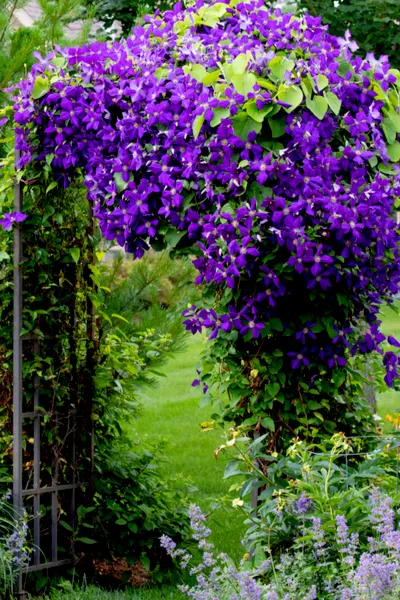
x: 171, y: 410
x: 93, y: 593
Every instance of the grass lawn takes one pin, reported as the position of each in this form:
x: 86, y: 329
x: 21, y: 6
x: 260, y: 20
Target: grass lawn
x: 389, y: 401
x: 93, y: 593
x: 172, y: 411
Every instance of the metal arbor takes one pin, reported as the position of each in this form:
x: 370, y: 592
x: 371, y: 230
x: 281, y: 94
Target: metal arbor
x: 52, y: 425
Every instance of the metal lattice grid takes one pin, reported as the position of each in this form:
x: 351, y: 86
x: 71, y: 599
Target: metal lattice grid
x: 45, y: 486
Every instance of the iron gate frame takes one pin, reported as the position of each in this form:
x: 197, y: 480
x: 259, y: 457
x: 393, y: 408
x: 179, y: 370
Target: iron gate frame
x: 36, y: 491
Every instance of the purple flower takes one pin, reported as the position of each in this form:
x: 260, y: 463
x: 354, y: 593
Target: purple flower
x: 10, y: 218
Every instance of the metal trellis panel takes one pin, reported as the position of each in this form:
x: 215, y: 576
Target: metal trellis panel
x: 44, y: 496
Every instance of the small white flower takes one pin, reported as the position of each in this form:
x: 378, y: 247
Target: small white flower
x: 237, y: 502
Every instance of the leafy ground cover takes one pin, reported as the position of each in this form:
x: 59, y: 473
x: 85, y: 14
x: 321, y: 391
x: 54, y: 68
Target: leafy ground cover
x: 171, y: 410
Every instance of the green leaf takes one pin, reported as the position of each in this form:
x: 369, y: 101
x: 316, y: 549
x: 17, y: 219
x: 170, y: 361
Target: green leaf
x: 86, y: 540
x: 119, y: 317
x: 145, y: 562
x: 50, y: 187
x: 4, y: 256
x: 271, y: 390
x: 244, y: 84
x: 75, y: 253
x: 333, y: 101
x: 318, y: 106
x: 264, y: 83
x: 395, y: 119
x: 256, y: 114
x: 291, y: 95
x: 197, y: 125
x: 219, y: 114
x: 393, y: 151
x: 238, y: 66
x: 344, y: 68
x: 268, y: 423
x: 243, y: 125
x: 276, y: 324
x: 174, y: 237
x: 279, y: 65
x: 120, y: 522
x: 211, y: 77
x: 160, y: 73
x: 40, y: 87
x: 389, y: 130
x: 278, y: 126
x: 322, y: 82
x: 198, y: 72
x: 66, y: 525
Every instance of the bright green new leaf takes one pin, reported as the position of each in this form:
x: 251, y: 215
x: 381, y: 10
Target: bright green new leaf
x: 318, y: 106
x: 238, y: 66
x: 198, y: 72
x: 4, y: 256
x: 393, y: 151
x: 197, y: 125
x: 395, y: 119
x: 211, y: 77
x: 40, y: 87
x: 120, y: 317
x: 333, y: 101
x: 256, y: 114
x: 50, y: 187
x: 266, y: 84
x: 219, y: 114
x: 75, y: 253
x: 244, y: 84
x: 389, y: 130
x: 279, y: 65
x: 322, y: 82
x: 291, y: 95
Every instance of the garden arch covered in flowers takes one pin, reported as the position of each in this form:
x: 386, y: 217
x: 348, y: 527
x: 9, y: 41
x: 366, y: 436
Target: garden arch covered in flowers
x: 266, y: 147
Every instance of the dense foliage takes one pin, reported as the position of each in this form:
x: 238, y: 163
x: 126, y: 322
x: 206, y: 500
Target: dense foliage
x: 94, y: 336
x: 323, y: 563
x: 18, y: 46
x: 329, y: 479
x: 261, y: 138
x: 373, y: 23
x: 119, y: 16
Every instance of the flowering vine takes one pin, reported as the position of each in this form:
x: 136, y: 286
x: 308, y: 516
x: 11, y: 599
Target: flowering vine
x: 258, y: 141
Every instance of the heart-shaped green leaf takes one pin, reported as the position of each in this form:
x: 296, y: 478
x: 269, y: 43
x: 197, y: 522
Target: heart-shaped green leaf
x: 291, y: 95
x: 333, y: 101
x: 393, y: 151
x: 197, y: 125
x: 40, y: 87
x: 318, y: 106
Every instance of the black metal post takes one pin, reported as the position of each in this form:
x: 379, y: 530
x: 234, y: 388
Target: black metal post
x: 17, y: 365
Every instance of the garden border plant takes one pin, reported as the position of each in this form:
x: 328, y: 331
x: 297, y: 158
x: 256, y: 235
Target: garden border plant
x: 258, y: 141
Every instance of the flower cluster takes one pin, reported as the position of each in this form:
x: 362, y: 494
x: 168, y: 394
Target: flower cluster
x: 327, y: 567
x: 255, y: 136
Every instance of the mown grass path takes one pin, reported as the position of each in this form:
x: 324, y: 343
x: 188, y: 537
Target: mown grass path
x: 172, y: 410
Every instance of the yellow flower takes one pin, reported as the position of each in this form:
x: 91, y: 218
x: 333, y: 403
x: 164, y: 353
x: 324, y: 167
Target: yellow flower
x: 389, y: 418
x: 246, y: 556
